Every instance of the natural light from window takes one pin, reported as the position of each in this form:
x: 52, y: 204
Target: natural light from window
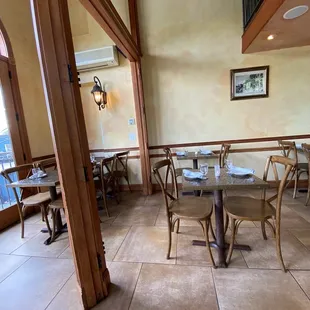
x: 3, y: 121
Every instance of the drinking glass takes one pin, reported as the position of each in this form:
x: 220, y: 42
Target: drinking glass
x: 217, y: 171
x: 204, y: 168
x: 229, y: 164
x: 35, y: 172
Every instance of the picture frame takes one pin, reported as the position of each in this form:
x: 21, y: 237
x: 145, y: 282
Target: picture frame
x: 249, y: 83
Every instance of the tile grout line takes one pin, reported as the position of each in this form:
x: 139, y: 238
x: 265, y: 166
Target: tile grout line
x: 299, y: 285
x: 121, y: 243
x: 59, y: 290
x: 134, y: 290
x: 308, y: 250
x: 25, y: 242
x: 215, y: 290
x: 16, y: 269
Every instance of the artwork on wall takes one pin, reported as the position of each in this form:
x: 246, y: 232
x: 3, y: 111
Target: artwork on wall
x: 249, y: 83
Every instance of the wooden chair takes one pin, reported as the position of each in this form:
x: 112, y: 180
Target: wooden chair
x: 189, y: 208
x: 55, y: 207
x: 40, y: 199
x: 178, y: 171
x: 241, y: 209
x: 122, y: 163
x: 108, y: 180
x: 306, y: 149
x: 224, y: 154
x: 289, y: 150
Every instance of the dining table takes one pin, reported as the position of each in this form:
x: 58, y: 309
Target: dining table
x: 195, y: 156
x: 51, y: 181
x: 218, y: 185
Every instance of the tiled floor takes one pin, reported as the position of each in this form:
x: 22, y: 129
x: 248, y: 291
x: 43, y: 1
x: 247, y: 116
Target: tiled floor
x: 36, y: 277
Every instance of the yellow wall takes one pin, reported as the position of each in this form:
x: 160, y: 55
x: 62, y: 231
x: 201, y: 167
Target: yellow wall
x: 16, y: 17
x: 189, y: 48
x: 107, y: 129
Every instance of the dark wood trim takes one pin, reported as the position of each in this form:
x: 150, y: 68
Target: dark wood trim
x: 232, y: 83
x: 104, y: 12
x: 134, y: 22
x: 236, y: 141
x: 261, y: 18
x: 135, y: 148
x: 43, y: 157
x: 64, y: 105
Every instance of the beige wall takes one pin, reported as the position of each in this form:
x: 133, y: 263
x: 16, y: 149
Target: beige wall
x: 16, y: 17
x: 107, y: 129
x: 189, y: 48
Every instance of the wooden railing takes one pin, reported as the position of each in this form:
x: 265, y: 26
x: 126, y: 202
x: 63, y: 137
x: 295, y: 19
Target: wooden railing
x: 250, y: 7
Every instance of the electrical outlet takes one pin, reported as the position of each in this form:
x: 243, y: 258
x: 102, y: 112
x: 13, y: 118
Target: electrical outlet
x: 131, y: 121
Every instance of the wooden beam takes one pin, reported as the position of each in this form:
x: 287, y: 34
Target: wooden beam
x: 64, y: 105
x: 261, y: 18
x: 104, y: 12
x: 134, y: 22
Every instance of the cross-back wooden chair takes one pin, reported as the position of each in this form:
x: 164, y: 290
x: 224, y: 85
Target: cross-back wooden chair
x: 178, y: 171
x: 224, y: 151
x: 306, y: 149
x: 121, y: 167
x: 241, y: 209
x: 108, y: 180
x: 40, y: 199
x: 184, y: 208
x: 289, y: 150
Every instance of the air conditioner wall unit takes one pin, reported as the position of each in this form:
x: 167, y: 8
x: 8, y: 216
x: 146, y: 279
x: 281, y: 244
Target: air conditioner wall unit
x: 99, y: 58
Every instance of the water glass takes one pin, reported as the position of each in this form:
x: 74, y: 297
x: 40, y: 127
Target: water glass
x: 35, y: 172
x: 229, y: 164
x: 217, y: 171
x: 204, y: 168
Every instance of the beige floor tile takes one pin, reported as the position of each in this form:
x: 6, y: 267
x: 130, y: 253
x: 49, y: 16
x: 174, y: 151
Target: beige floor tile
x: 258, y: 289
x: 113, y: 238
x: 10, y: 239
x: 303, y: 235
x: 69, y: 297
x: 124, y: 277
x: 34, y: 219
x: 134, y: 198
x: 301, y: 210
x: 303, y: 279
x: 174, y: 287
x: 67, y: 253
x: 147, y: 245
x: 263, y: 254
x: 187, y: 254
x: 142, y: 215
x: 35, y: 283
x: 36, y: 246
x: 9, y: 263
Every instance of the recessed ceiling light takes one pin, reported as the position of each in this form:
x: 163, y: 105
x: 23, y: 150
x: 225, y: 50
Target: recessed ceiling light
x: 271, y: 37
x: 296, y: 12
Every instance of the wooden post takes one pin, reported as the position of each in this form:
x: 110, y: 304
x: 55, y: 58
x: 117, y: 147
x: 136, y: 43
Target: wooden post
x: 61, y: 87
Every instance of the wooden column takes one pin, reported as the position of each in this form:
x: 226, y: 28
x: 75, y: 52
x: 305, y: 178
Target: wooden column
x: 61, y: 87
x: 108, y: 18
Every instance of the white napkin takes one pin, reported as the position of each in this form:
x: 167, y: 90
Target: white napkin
x: 193, y: 174
x: 205, y: 152
x: 240, y: 170
x: 180, y: 153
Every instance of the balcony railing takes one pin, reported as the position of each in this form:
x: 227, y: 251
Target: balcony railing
x: 7, y: 198
x: 250, y: 7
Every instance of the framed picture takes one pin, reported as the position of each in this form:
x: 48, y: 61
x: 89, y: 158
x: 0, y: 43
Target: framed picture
x: 249, y: 83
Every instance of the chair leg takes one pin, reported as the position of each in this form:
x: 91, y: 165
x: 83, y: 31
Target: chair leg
x: 127, y: 179
x: 175, y: 221
x: 279, y: 252
x: 308, y: 194
x: 170, y: 237
x: 44, y: 213
x: 105, y: 203
x: 226, y: 223
x: 206, y: 224
x: 54, y: 224
x: 22, y: 227
x: 263, y: 230
x: 271, y: 227
x: 295, y: 184
x: 232, y: 239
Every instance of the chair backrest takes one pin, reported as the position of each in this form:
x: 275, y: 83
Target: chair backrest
x: 289, y: 150
x: 275, y: 162
x: 122, y: 159
x: 24, y: 170
x: 46, y: 164
x: 168, y: 153
x: 306, y: 149
x: 165, y: 167
x: 224, y: 154
x: 107, y: 168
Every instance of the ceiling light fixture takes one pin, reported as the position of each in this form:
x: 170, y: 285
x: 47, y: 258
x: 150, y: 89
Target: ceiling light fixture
x: 296, y: 12
x: 271, y: 37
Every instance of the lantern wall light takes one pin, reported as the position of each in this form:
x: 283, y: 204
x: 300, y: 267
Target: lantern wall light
x: 100, y: 96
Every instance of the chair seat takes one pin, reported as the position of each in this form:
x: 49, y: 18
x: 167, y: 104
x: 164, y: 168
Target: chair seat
x: 56, y: 204
x: 179, y: 171
x: 192, y: 208
x: 303, y: 166
x: 249, y: 209
x: 36, y: 199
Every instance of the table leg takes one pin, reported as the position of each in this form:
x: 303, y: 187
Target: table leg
x: 195, y: 166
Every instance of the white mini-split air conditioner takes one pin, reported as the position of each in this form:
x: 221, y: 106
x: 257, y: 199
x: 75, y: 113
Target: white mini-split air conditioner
x: 98, y: 58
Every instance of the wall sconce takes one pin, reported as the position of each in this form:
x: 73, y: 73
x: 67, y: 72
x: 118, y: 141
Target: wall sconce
x: 100, y: 96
